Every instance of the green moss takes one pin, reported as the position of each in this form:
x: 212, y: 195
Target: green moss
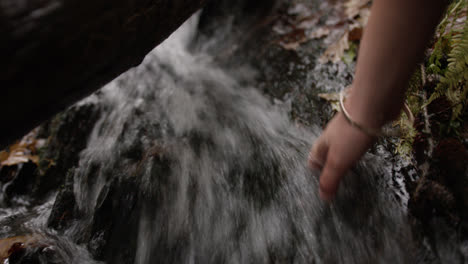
x: 445, y: 74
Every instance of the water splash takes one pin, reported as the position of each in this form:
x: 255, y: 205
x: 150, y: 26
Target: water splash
x: 189, y: 163
x: 222, y: 174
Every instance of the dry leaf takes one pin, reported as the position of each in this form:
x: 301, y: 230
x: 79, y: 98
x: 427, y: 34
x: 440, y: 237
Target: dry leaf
x: 345, y: 23
x: 34, y: 159
x: 290, y: 46
x: 364, y: 15
x: 319, y: 33
x: 293, y: 40
x: 330, y: 96
x: 308, y: 22
x: 344, y: 29
x: 355, y: 33
x: 335, y: 52
x: 3, y: 155
x: 9, y: 246
x: 15, y: 160
x: 22, y: 151
x: 354, y: 7
x: 300, y: 10
x: 333, y: 99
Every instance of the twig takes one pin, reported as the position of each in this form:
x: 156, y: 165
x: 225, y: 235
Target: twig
x: 427, y: 128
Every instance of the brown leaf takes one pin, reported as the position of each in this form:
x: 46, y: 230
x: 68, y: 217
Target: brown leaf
x: 353, y: 7
x: 3, y: 155
x: 308, y: 22
x: 319, y: 32
x: 341, y: 28
x: 333, y: 99
x: 11, y: 245
x: 330, y: 96
x: 335, y: 52
x: 22, y: 151
x: 15, y: 160
x: 364, y: 15
x: 355, y: 34
x: 300, y: 10
x: 34, y: 159
x: 293, y: 40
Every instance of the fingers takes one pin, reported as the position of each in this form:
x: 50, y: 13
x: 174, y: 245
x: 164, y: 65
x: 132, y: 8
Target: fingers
x: 318, y: 154
x: 330, y: 177
x: 337, y: 150
x: 332, y: 172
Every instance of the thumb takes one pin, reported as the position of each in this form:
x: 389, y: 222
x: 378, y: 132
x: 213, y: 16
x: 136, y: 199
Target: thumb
x: 318, y: 153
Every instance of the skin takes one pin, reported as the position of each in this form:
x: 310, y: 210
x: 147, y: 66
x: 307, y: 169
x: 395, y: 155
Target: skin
x: 393, y: 44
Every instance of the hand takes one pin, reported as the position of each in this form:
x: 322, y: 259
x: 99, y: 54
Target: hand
x: 338, y: 148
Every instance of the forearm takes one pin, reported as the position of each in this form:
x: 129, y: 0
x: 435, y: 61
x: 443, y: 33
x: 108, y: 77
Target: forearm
x: 393, y: 43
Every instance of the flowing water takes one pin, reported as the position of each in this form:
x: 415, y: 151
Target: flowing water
x: 203, y: 168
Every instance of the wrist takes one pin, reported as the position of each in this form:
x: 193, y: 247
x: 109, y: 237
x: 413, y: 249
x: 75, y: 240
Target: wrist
x: 372, y: 108
x: 366, y: 129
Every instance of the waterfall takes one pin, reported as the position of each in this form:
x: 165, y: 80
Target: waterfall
x: 190, y: 163
x: 235, y: 187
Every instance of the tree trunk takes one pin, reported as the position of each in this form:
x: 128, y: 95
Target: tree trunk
x: 55, y: 52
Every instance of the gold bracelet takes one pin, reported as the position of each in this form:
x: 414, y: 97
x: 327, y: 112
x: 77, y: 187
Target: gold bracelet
x: 367, y: 130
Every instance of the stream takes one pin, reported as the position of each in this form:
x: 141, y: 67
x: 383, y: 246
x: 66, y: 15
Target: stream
x: 188, y: 162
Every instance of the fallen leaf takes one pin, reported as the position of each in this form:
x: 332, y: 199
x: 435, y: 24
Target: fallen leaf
x: 308, y: 22
x: 346, y: 29
x: 293, y: 40
x: 330, y: 96
x: 319, y: 32
x: 354, y: 7
x: 290, y: 46
x: 355, y: 34
x: 364, y: 15
x: 333, y: 99
x: 11, y: 245
x: 300, y: 10
x: 15, y: 160
x: 22, y: 151
x: 34, y: 159
x: 3, y: 155
x: 345, y: 23
x: 335, y: 52
x: 281, y: 29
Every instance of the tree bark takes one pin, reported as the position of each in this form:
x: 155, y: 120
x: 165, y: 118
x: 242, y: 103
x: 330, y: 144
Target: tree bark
x: 55, y: 52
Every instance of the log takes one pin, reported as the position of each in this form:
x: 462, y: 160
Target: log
x: 55, y: 52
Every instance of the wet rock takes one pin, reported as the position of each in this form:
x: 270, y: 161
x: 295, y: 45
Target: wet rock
x: 55, y: 52
x: 64, y: 209
x: 7, y: 173
x: 240, y: 15
x: 68, y: 135
x: 111, y: 230
x: 116, y: 219
x: 22, y: 181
